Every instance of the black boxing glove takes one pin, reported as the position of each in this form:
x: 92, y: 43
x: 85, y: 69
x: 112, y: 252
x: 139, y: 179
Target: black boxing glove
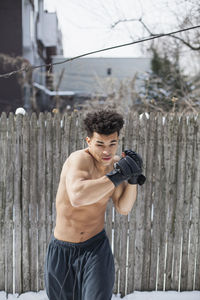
x: 123, y: 170
x: 136, y: 179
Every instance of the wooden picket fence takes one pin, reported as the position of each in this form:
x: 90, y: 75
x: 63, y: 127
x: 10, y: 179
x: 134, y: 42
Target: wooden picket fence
x: 156, y: 247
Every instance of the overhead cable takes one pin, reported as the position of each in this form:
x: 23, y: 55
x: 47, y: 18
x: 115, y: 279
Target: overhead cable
x: 29, y: 67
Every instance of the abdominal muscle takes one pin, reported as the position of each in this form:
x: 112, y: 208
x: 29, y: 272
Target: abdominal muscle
x: 77, y: 224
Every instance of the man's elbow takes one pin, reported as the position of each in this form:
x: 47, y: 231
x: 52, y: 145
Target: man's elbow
x: 74, y: 194
x: 74, y: 198
x: 122, y: 212
x: 74, y: 203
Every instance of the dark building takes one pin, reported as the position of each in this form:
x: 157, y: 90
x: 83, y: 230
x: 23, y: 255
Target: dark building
x: 23, y: 32
x: 11, y: 44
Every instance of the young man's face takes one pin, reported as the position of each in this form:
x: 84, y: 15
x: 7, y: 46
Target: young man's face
x: 103, y: 147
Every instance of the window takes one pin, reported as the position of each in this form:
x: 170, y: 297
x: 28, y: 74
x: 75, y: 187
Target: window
x: 109, y: 71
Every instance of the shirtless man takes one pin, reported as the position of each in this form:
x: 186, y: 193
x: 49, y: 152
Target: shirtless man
x: 79, y: 263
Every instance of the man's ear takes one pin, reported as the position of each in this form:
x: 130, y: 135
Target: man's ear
x: 88, y: 140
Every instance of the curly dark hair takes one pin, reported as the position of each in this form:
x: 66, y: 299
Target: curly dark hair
x: 103, y: 122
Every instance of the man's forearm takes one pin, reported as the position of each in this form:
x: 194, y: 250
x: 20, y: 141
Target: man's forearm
x: 90, y: 191
x: 127, y: 199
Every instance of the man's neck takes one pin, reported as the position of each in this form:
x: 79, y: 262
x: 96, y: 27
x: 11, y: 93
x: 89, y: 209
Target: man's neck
x: 103, y: 169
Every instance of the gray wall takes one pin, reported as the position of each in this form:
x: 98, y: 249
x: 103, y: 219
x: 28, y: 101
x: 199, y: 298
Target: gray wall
x: 89, y: 75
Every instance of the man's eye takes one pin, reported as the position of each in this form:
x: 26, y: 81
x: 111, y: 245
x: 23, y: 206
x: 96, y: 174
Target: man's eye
x: 99, y: 145
x: 113, y: 144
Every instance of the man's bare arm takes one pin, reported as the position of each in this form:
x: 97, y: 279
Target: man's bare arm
x: 124, y: 197
x: 81, y: 189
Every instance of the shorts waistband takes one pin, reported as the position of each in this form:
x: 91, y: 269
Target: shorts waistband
x: 98, y: 236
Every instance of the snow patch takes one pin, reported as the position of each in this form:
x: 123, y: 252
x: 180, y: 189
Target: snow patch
x: 170, y: 295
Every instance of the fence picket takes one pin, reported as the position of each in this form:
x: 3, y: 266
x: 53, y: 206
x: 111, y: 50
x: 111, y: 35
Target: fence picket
x: 117, y: 235
x: 41, y: 201
x: 147, y: 203
x: 173, y: 133
x: 151, y: 132
x: 197, y: 196
x: 179, y: 205
x: 33, y: 204
x: 25, y: 204
x: 56, y: 161
x: 9, y: 206
x: 162, y: 214
x: 117, y: 238
x: 191, y: 166
x: 155, y: 237
x: 165, y: 201
x: 132, y: 143
x: 17, y: 204
x: 140, y: 218
x: 186, y: 204
x: 3, y: 150
x: 49, y: 175
x: 123, y: 251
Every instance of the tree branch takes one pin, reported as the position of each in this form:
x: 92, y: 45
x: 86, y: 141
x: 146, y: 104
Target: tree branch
x: 185, y: 43
x: 123, y: 21
x: 155, y: 34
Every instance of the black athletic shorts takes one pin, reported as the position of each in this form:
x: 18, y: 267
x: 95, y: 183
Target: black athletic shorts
x: 80, y: 271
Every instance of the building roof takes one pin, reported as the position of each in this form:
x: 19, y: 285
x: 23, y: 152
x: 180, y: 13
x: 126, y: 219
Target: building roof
x: 52, y: 93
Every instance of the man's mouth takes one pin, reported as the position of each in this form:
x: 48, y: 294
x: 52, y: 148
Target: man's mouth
x: 106, y: 158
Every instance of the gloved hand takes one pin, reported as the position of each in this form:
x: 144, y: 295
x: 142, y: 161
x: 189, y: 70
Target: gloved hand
x: 136, y: 178
x: 123, y: 170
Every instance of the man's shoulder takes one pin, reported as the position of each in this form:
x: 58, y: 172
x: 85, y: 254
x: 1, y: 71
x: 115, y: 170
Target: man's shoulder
x: 79, y: 157
x: 80, y: 154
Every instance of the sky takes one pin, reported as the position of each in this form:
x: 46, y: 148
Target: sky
x: 91, y: 25
x: 87, y: 25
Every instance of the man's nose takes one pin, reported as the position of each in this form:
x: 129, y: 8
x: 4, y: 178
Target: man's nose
x: 106, y: 152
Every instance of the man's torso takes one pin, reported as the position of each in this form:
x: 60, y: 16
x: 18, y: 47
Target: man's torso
x: 78, y: 224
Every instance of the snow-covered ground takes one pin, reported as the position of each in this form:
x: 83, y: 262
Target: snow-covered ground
x: 171, y: 295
